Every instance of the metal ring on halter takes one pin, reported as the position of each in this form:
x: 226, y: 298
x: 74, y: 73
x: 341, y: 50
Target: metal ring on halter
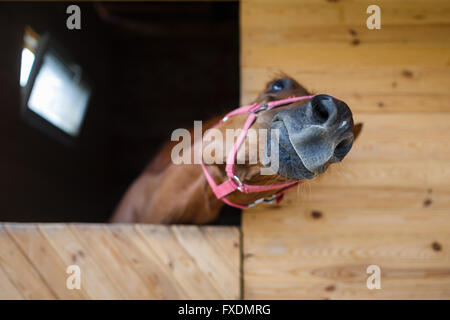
x: 263, y: 107
x: 238, y: 181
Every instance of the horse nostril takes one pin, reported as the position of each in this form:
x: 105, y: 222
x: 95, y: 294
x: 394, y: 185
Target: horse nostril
x: 343, y: 148
x: 322, y: 108
x: 321, y: 112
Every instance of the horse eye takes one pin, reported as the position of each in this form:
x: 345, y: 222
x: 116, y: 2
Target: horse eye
x: 277, y: 85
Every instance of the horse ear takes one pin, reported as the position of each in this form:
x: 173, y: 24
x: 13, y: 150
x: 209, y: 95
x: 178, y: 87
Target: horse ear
x: 357, y: 130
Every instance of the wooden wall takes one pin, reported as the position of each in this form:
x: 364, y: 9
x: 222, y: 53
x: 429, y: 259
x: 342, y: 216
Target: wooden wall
x: 388, y: 203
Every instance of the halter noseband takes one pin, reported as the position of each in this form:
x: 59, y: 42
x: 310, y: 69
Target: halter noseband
x: 234, y: 183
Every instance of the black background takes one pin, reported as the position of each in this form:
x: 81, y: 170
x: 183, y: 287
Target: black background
x: 291, y: 309
x: 155, y: 67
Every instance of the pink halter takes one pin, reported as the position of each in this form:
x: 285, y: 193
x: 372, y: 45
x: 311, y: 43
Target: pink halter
x: 234, y: 183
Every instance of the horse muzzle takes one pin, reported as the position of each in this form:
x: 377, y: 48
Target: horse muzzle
x: 312, y: 136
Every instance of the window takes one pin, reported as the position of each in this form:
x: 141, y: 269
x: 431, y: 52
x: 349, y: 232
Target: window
x: 55, y: 93
x: 31, y: 40
x: 58, y: 96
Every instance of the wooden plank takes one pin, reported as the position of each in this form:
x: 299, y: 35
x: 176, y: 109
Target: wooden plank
x: 44, y: 258
x: 360, y: 80
x: 294, y: 14
x: 332, y: 289
x: 8, y: 291
x: 21, y: 270
x: 383, y: 90
x: 400, y: 137
x: 211, y: 259
x: 95, y: 283
x: 153, y: 272
x: 227, y: 240
x: 184, y: 269
x: 188, y: 268
x: 269, y: 34
x: 353, y: 247
x: 314, y: 195
x: 295, y: 55
x: 372, y: 173
x: 338, y: 211
x: 100, y: 245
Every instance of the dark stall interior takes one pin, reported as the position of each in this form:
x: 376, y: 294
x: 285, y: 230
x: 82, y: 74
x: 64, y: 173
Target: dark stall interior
x: 154, y: 67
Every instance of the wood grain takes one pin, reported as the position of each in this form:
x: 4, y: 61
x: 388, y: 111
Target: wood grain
x: 20, y: 271
x: 388, y: 203
x: 95, y: 282
x: 367, y: 90
x: 45, y: 258
x: 189, y: 256
x: 119, y: 261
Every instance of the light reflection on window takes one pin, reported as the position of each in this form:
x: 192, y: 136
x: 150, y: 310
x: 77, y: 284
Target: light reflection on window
x: 26, y: 65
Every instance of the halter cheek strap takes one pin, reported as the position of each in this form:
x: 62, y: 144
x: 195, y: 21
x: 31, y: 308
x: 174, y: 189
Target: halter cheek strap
x: 234, y: 183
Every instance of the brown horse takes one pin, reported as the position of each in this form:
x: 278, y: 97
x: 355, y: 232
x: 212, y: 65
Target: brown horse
x: 312, y: 134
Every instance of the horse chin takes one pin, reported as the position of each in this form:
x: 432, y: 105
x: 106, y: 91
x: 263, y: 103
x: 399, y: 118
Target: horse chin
x: 289, y: 163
